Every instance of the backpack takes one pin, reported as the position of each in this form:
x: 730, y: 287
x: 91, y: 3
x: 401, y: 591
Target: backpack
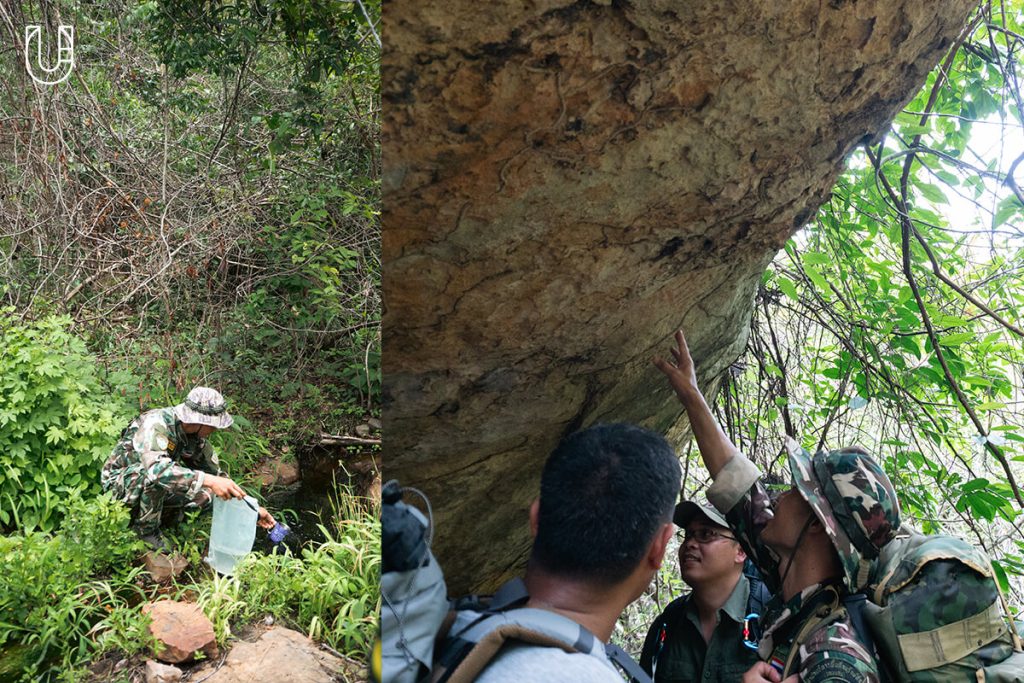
x: 412, y: 588
x: 478, y: 631
x: 427, y: 638
x: 934, y: 613
x: 759, y: 593
x: 931, y: 612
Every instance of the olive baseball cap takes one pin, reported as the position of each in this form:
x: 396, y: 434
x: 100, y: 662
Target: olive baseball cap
x: 686, y: 510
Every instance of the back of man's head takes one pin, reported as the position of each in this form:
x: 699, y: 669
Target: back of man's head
x: 604, y: 494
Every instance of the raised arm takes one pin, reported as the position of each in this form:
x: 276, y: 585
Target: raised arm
x: 715, y: 447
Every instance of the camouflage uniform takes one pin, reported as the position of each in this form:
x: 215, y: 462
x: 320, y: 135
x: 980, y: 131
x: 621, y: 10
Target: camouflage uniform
x: 144, y: 471
x: 831, y: 651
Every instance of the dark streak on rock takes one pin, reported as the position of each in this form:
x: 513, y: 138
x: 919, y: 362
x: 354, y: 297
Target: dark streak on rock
x: 670, y: 248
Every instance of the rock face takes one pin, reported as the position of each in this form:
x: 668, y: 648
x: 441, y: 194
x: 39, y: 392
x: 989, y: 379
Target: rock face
x: 182, y: 629
x: 280, y: 655
x: 569, y: 182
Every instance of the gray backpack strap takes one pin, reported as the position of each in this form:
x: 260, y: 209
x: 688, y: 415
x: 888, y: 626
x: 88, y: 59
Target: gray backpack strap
x: 563, y: 632
x: 622, y: 660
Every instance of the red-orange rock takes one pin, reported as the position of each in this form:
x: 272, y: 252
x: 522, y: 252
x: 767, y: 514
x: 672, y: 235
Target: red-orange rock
x: 181, y: 629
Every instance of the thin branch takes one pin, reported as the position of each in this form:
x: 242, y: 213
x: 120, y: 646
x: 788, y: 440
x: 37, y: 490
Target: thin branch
x: 905, y: 228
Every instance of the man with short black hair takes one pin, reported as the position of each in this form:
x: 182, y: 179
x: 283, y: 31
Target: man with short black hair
x: 700, y: 636
x: 601, y: 527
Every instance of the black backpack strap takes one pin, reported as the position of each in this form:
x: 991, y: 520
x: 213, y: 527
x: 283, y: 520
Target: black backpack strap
x: 511, y: 594
x: 759, y: 595
x: 854, y: 604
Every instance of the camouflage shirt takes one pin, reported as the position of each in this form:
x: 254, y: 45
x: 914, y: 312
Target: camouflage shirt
x: 157, y: 436
x: 832, y: 651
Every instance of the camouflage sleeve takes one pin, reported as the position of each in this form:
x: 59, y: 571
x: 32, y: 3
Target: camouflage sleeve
x: 834, y: 654
x: 737, y: 492
x: 160, y: 468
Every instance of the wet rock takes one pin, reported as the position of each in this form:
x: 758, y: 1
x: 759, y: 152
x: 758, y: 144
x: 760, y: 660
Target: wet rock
x: 164, y: 567
x: 287, y: 474
x: 374, y: 423
x: 278, y: 473
x: 161, y: 673
x: 363, y: 430
x: 181, y: 629
x: 280, y: 655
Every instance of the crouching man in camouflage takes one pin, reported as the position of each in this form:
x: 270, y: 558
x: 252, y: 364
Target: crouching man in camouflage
x: 813, y: 544
x: 163, y: 458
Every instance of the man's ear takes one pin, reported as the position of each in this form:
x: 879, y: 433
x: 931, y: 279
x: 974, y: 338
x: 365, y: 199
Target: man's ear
x: 534, y: 517
x: 741, y: 556
x: 659, y: 545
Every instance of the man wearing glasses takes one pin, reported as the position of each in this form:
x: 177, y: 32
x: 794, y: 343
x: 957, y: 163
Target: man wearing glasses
x: 700, y: 636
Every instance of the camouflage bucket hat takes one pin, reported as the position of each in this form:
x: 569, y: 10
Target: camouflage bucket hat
x: 204, y: 406
x: 854, y: 500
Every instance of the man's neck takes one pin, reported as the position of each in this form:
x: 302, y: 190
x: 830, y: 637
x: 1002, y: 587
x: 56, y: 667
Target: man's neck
x: 811, y: 566
x: 595, y: 609
x: 709, y: 597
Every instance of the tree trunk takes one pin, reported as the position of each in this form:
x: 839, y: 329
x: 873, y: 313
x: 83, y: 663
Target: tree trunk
x: 569, y: 182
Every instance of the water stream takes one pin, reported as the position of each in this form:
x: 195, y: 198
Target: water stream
x: 324, y: 472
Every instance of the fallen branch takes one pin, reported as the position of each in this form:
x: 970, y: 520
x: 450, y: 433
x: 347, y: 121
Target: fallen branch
x: 340, y: 439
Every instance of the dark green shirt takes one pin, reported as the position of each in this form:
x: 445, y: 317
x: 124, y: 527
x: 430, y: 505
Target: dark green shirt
x: 686, y: 657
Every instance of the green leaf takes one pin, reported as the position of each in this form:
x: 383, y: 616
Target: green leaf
x: 1007, y: 208
x: 1001, y: 577
x: 813, y: 258
x: 955, y: 339
x: 932, y: 193
x: 818, y: 279
x: 788, y: 288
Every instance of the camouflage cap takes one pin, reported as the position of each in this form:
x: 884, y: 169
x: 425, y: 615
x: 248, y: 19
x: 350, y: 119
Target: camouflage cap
x: 854, y: 500
x: 686, y: 510
x: 204, y: 406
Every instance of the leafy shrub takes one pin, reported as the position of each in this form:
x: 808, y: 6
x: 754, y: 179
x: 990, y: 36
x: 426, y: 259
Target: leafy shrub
x: 56, y: 427
x: 50, y: 599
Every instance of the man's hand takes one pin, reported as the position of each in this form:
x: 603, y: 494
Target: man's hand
x: 681, y: 374
x: 222, y: 487
x: 266, y: 520
x: 715, y: 447
x: 762, y: 672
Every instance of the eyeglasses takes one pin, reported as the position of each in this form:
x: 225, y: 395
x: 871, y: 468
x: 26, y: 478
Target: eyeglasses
x: 702, y: 535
